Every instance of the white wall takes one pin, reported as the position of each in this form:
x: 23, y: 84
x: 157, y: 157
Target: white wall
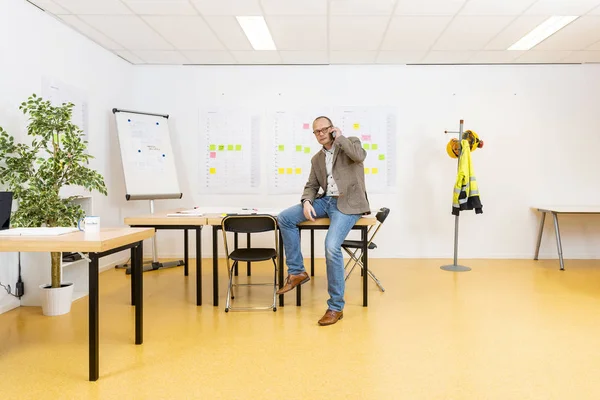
x: 34, y: 45
x: 539, y: 123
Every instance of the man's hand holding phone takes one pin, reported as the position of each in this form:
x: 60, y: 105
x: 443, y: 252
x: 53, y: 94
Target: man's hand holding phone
x: 336, y: 133
x: 309, y: 211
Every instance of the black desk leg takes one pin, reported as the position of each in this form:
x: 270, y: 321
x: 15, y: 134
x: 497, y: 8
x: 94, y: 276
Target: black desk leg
x: 280, y: 267
x: 198, y: 265
x: 139, y: 289
x: 299, y: 287
x: 248, y: 245
x: 312, y: 252
x: 186, y: 253
x: 93, y: 317
x: 132, y: 262
x: 365, y: 260
x: 235, y: 247
x: 215, y: 267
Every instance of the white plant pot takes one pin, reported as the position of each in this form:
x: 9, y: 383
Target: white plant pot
x: 57, y: 301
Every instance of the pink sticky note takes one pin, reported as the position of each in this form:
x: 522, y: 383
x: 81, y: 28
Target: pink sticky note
x: 366, y: 138
x: 213, y: 154
x: 305, y: 126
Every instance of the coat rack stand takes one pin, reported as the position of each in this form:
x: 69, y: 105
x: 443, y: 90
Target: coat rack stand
x: 455, y: 267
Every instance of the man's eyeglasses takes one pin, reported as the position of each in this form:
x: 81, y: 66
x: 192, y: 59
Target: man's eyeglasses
x: 323, y: 130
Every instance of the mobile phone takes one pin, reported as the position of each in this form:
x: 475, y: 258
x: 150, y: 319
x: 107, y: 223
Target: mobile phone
x: 333, y: 133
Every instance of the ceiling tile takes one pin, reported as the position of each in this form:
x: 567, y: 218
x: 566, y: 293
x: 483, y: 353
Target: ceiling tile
x: 538, y: 56
x: 91, y: 7
x: 304, y: 57
x: 356, y: 33
x: 229, y: 31
x: 298, y: 33
x: 129, y: 56
x: 352, y: 57
x: 447, y: 57
x: 361, y: 7
x: 93, y: 34
x: 50, y: 6
x: 400, y: 57
x: 208, y: 57
x: 185, y: 32
x: 578, y: 35
x: 471, y: 33
x: 562, y: 7
x: 583, y: 57
x: 514, y: 32
x: 494, y: 57
x: 429, y: 7
x: 130, y: 31
x: 161, y: 7
x: 257, y: 57
x: 294, y: 7
x: 161, y: 57
x: 496, y: 7
x: 228, y: 7
x: 414, y: 33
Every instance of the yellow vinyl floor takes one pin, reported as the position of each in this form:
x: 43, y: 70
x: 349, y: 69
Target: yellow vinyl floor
x: 508, y: 329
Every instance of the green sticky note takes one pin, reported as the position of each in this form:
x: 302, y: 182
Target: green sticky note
x: 298, y: 147
x: 221, y: 147
x: 230, y: 147
x: 382, y: 157
x: 374, y: 147
x: 213, y: 147
x: 367, y: 146
x: 238, y: 147
x: 307, y: 150
x: 281, y: 147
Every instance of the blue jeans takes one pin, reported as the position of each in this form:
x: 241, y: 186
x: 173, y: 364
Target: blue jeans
x: 338, y: 230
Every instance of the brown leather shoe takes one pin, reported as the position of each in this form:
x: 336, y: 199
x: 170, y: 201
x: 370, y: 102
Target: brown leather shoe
x: 331, y: 317
x: 292, y: 281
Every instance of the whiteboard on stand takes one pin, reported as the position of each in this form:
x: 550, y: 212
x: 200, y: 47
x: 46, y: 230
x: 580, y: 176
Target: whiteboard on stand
x: 147, y: 156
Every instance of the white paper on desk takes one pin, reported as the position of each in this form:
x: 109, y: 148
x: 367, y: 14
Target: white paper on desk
x: 41, y: 231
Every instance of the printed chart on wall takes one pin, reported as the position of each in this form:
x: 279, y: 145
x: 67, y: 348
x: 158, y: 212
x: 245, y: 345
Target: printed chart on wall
x: 59, y: 92
x: 376, y: 128
x: 231, y: 144
x: 292, y: 147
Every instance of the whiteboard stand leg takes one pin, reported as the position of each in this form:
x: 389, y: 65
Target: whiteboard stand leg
x: 155, y: 264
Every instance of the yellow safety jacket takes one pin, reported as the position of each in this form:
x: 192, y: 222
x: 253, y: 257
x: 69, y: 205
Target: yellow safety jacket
x: 466, y: 191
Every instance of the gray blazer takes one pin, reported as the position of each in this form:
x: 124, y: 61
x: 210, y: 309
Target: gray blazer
x: 349, y: 175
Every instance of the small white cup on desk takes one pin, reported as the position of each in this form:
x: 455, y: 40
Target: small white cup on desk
x: 89, y: 224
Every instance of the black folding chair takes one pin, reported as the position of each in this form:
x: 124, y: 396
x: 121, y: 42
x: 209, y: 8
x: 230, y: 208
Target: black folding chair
x: 249, y: 224
x: 354, y: 246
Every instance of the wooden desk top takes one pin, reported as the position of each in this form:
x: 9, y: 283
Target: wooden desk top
x: 570, y: 209
x: 107, y: 239
x: 160, y: 218
x: 364, y: 221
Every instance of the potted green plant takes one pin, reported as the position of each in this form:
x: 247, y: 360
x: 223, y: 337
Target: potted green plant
x: 35, y: 172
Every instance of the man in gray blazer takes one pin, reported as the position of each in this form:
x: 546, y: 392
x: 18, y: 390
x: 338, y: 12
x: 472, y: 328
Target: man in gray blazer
x: 338, y: 170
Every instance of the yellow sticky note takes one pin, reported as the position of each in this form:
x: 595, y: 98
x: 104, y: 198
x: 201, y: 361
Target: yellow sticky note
x: 298, y: 171
x: 382, y: 157
x: 230, y: 147
x: 238, y: 147
x: 367, y: 171
x: 213, y: 171
x: 281, y: 147
x: 374, y: 147
x: 375, y: 171
x: 221, y: 147
x: 367, y: 146
x: 356, y: 126
x: 299, y: 147
x: 281, y: 171
x: 290, y: 171
x: 213, y: 147
x: 307, y: 150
